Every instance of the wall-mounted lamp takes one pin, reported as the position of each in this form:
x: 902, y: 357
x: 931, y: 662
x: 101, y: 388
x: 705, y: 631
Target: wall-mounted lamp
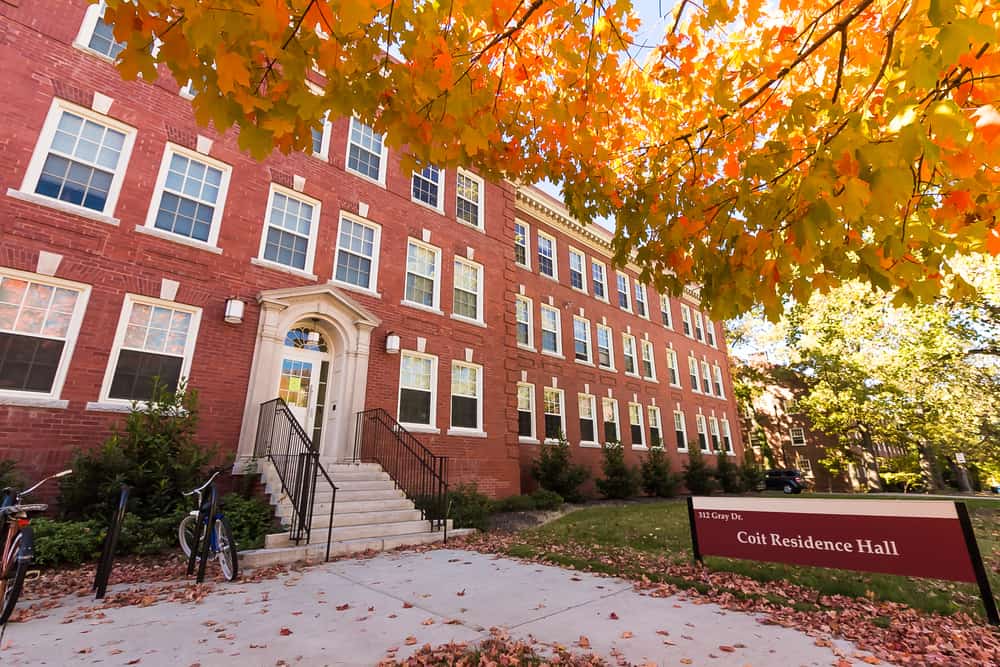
x: 234, y: 311
x: 392, y: 343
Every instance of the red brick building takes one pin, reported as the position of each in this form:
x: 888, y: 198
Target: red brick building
x: 134, y: 244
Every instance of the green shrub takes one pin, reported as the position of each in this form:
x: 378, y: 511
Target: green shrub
x: 469, y: 508
x: 251, y: 519
x: 697, y: 474
x: 156, y: 455
x: 554, y: 470
x: 9, y: 476
x: 514, y: 504
x: 620, y: 480
x: 751, y: 474
x: 546, y: 500
x: 67, y: 542
x: 727, y: 474
x: 657, y: 477
x: 149, y: 536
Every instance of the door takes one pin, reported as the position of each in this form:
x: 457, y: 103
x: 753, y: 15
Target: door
x: 298, y: 383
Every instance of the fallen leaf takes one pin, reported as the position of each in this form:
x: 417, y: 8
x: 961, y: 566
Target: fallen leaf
x: 583, y: 642
x: 407, y: 605
x: 411, y: 640
x: 626, y: 635
x: 726, y: 648
x: 343, y: 607
x: 613, y: 616
x: 428, y: 621
x: 460, y: 593
x: 284, y: 632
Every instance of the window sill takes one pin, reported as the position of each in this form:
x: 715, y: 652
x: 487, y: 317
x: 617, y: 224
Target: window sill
x: 267, y: 264
x: 526, y: 267
x: 62, y: 206
x: 550, y: 441
x: 653, y: 380
x: 422, y: 204
x: 684, y: 451
x: 554, y: 278
x: 354, y: 288
x: 107, y: 406
x: 633, y: 375
x: 609, y: 369
x: 468, y: 320
x: 526, y: 348
x: 366, y: 177
x: 89, y: 51
x: 602, y: 299
x: 420, y: 428
x: 34, y: 402
x: 420, y: 306
x: 584, y: 363
x: 554, y: 355
x: 466, y: 433
x: 479, y: 228
x: 527, y: 441
x: 640, y: 448
x: 587, y: 444
x: 320, y: 157
x: 167, y: 236
x: 578, y: 289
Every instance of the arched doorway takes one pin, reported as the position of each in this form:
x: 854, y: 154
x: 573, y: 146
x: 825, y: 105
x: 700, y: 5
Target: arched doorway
x: 303, y: 377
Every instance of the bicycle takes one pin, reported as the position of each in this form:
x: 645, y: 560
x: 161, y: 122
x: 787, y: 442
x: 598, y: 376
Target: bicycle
x: 18, y: 544
x: 192, y: 529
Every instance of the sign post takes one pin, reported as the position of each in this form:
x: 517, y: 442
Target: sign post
x: 915, y: 538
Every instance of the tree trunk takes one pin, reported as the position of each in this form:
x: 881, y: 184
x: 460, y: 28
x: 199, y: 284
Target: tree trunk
x: 929, y: 467
x: 870, y: 462
x: 962, y: 477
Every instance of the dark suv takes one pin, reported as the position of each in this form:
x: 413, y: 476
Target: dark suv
x: 789, y: 481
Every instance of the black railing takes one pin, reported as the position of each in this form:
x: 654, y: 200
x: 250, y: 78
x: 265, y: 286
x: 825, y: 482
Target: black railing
x: 283, y: 442
x: 418, y: 472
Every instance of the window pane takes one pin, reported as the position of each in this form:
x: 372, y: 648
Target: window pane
x: 414, y: 406
x: 524, y: 423
x: 135, y: 372
x: 467, y: 205
x: 365, y: 152
x: 587, y: 430
x: 28, y: 363
x: 464, y: 412
x: 103, y: 40
x: 426, y: 187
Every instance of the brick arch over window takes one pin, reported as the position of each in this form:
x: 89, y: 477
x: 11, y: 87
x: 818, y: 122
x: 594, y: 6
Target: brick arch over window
x: 347, y: 328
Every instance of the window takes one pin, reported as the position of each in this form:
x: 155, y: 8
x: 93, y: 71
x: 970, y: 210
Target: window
x: 680, y: 431
x: 553, y: 400
x: 675, y: 374
x: 422, y: 275
x: 686, y: 319
x: 290, y: 229
x: 525, y: 332
x: 526, y: 411
x: 640, y: 301
x: 718, y: 381
x: 588, y: 429
x: 628, y: 350
x: 798, y: 435
x: 417, y: 389
x: 521, y: 245
x: 713, y: 424
x: 155, y: 339
x: 466, y: 397
x: 727, y: 436
x: 469, y: 198
x: 600, y: 280
x: 80, y: 159
x: 693, y: 373
x: 321, y: 139
x: 699, y: 421
x: 97, y: 35
x: 655, y: 436
x: 706, y: 376
x: 710, y: 332
x: 39, y: 321
x: 468, y: 298
x: 356, y: 256
x: 425, y: 187
x: 699, y: 327
x: 665, y: 315
x: 609, y: 411
x: 605, y: 348
x: 547, y: 256
x: 576, y: 263
x: 366, y: 152
x: 581, y: 340
x: 635, y: 425
x: 648, y: 365
x: 189, y: 195
x: 804, y: 465
x: 551, y: 330
x: 623, y: 296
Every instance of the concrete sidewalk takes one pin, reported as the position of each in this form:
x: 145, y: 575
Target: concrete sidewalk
x: 432, y: 597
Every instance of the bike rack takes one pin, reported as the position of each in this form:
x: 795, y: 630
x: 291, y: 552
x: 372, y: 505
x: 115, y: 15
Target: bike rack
x: 199, y: 543
x: 106, y: 563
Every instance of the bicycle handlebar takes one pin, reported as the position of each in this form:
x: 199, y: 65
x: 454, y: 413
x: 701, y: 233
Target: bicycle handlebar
x: 203, y: 486
x: 50, y: 477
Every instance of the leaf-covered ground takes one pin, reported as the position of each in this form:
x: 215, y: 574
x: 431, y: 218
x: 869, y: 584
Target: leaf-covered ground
x: 901, y: 620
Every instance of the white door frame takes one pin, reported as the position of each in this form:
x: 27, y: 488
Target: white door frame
x: 315, y: 358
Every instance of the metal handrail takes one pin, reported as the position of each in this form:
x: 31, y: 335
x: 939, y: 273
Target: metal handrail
x: 420, y: 473
x: 297, y: 465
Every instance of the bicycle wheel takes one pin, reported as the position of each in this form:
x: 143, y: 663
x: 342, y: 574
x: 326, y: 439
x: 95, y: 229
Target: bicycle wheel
x: 186, y: 534
x: 226, y: 548
x: 12, y: 572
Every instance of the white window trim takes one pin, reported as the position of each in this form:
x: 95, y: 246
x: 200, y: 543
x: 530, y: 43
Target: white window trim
x: 481, y: 289
x: 41, y: 152
x: 655, y: 409
x: 313, y: 230
x: 593, y: 415
x: 463, y: 430
x: 697, y: 388
x: 383, y: 158
x: 701, y: 426
x: 439, y: 208
x: 727, y: 436
x: 562, y: 413
x: 611, y: 348
x: 533, y: 438
x: 116, y: 347
x: 706, y: 370
x: 324, y: 151
x: 643, y: 444
x: 635, y: 355
x: 541, y: 324
x: 436, y: 306
x: 527, y: 245
x: 617, y: 418
x: 15, y: 396
x: 82, y: 40
x: 710, y: 333
x: 372, y: 289
x: 628, y: 292
x: 481, y: 204
x: 672, y: 358
x: 791, y: 435
x: 714, y: 432
x: 158, y: 189
x: 531, y: 324
x: 555, y: 256
x: 604, y: 273
x: 639, y: 288
x: 589, y: 361
x: 665, y: 301
x: 583, y: 270
x: 645, y: 345
x: 686, y: 319
x: 684, y: 430
x: 699, y: 326
x: 419, y: 428
x: 719, y: 381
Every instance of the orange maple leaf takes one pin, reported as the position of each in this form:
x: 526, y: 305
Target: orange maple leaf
x: 993, y: 241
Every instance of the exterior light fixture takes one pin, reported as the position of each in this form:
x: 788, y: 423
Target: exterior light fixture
x: 234, y: 311
x: 392, y: 343
x: 313, y: 337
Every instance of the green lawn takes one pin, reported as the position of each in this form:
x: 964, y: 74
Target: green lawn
x: 601, y: 539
